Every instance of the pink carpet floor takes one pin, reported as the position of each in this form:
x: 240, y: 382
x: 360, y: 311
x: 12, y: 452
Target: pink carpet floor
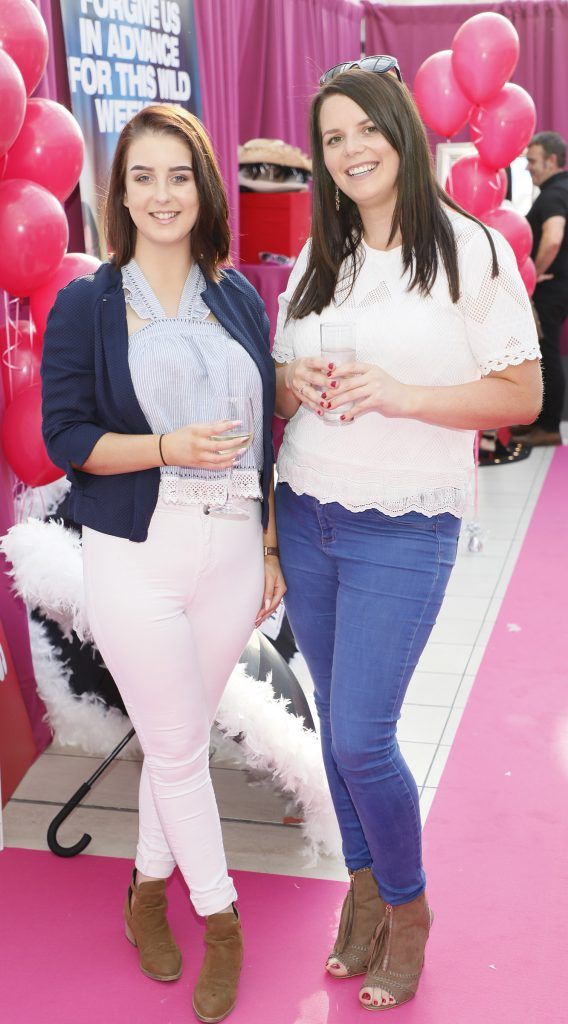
x: 496, y: 847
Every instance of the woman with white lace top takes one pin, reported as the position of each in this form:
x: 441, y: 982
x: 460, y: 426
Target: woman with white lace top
x: 369, y: 505
x: 137, y: 358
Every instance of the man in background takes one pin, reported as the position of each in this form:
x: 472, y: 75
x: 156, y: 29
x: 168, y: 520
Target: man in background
x: 546, y: 159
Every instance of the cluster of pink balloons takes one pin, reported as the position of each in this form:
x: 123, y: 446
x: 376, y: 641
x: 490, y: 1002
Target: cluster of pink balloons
x: 470, y: 83
x: 41, y: 157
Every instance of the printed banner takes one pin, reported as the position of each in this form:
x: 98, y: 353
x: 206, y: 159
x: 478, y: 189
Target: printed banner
x: 123, y: 55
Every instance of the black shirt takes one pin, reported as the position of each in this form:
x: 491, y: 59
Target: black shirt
x: 552, y: 202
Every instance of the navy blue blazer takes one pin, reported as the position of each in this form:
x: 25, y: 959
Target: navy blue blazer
x: 88, y: 391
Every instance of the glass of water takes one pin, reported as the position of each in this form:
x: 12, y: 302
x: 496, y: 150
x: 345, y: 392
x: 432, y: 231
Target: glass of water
x: 338, y: 347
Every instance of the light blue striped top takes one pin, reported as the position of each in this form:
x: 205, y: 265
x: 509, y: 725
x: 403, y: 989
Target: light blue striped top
x: 180, y: 365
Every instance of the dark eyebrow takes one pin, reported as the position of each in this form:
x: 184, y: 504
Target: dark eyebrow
x: 140, y: 167
x: 332, y: 131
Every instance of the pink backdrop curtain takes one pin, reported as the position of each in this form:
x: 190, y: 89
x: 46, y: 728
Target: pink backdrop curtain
x: 413, y: 33
x: 283, y: 49
x: 218, y: 43
x: 260, y: 61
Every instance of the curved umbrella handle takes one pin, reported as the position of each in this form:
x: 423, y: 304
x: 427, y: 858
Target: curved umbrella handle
x: 52, y: 840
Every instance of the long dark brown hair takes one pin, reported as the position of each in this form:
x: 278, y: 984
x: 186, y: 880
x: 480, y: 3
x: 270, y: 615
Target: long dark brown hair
x: 419, y: 209
x: 210, y: 237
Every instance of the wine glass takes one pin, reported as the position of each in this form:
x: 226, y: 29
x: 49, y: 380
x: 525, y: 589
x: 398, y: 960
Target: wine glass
x: 236, y: 409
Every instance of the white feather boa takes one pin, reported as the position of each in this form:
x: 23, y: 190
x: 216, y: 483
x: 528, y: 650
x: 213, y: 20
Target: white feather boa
x: 47, y: 573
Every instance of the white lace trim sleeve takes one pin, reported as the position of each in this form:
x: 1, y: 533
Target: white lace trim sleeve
x: 500, y: 326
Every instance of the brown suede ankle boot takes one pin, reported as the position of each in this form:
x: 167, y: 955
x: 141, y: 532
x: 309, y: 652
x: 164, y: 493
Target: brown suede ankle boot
x: 146, y: 927
x: 362, y: 911
x: 397, y: 955
x: 216, y: 991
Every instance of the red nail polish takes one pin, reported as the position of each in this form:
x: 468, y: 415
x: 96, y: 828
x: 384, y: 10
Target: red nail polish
x: 320, y: 413
x: 323, y: 395
x: 366, y: 997
x: 342, y: 417
x: 333, y: 384
x: 331, y: 366
x: 322, y: 404
x: 329, y: 405
x: 329, y: 373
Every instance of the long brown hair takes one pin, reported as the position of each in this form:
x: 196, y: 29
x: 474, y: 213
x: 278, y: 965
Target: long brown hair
x: 419, y: 211
x: 210, y: 237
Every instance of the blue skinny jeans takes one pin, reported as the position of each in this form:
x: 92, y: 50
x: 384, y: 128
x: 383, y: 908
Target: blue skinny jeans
x: 364, y: 591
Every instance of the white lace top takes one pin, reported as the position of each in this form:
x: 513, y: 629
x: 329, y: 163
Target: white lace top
x: 403, y: 465
x: 179, y: 366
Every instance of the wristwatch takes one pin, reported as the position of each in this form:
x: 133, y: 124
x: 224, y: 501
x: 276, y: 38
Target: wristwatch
x: 271, y: 551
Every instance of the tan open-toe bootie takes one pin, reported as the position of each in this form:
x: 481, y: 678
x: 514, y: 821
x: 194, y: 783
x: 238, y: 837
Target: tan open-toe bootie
x: 362, y: 911
x: 216, y: 991
x: 146, y: 927
x: 397, y: 955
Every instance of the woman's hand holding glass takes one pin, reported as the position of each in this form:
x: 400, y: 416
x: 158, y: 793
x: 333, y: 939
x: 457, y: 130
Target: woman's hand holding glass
x: 306, y: 378
x: 195, y: 445
x: 370, y: 389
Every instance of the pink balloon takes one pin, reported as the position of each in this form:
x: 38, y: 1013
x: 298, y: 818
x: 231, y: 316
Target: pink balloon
x: 22, y: 440
x: 528, y: 274
x: 474, y: 186
x: 485, y: 54
x: 49, y: 149
x: 503, y: 126
x: 73, y: 264
x: 13, y: 105
x: 34, y: 233
x: 24, y: 36
x: 441, y: 102
x: 20, y: 359
x: 515, y: 228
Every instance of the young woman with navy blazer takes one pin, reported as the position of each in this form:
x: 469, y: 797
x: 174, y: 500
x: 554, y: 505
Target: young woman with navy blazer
x: 136, y: 357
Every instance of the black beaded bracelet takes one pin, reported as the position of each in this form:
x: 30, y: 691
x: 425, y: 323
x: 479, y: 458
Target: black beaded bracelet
x: 164, y: 463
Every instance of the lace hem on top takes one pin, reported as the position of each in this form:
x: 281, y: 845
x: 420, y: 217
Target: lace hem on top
x: 512, y: 359
x: 179, y: 490
x: 431, y: 502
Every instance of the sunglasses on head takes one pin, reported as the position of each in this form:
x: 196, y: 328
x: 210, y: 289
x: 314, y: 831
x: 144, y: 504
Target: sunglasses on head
x: 377, y: 65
